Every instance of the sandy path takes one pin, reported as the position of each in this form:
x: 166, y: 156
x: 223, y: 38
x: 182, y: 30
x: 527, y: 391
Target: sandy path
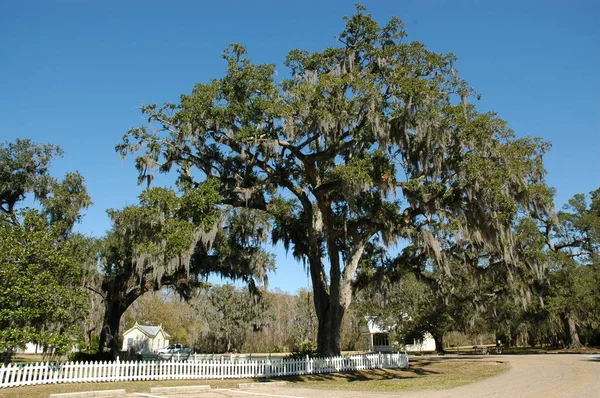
x: 552, y: 375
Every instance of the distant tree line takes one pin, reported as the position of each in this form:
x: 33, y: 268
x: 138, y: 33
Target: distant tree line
x: 221, y: 319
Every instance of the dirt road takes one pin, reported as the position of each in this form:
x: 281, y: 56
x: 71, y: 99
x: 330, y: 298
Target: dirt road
x: 551, y: 375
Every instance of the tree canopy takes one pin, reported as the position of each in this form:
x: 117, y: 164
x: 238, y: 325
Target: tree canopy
x: 574, y: 293
x: 174, y: 240
x: 41, y: 299
x: 371, y: 141
x: 24, y: 169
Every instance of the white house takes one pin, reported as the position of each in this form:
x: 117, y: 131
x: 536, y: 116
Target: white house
x: 145, y: 338
x: 34, y: 348
x: 31, y: 348
x: 378, y: 339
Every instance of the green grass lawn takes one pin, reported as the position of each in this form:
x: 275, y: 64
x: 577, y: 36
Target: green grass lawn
x: 424, y: 373
x: 27, y: 358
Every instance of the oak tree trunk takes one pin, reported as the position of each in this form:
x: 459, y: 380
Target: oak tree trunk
x: 571, y: 330
x: 7, y: 356
x: 328, y: 333
x: 514, y: 337
x: 439, y: 342
x: 329, y: 312
x: 109, y: 336
x: 331, y: 297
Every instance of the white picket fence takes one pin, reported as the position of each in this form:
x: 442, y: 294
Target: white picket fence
x: 15, y: 375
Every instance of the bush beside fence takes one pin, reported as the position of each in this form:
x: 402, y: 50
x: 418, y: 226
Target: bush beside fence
x: 15, y: 375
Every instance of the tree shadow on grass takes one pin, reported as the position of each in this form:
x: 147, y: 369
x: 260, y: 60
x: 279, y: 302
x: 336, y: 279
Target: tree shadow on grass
x: 365, y: 375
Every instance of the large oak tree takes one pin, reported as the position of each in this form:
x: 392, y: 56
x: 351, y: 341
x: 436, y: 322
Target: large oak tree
x: 174, y: 240
x: 370, y: 141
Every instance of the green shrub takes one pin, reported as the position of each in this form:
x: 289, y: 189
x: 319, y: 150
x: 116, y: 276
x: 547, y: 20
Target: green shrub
x: 89, y: 356
x: 301, y: 350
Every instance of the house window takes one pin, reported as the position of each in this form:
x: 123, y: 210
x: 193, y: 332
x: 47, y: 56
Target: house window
x: 129, y: 343
x: 381, y: 339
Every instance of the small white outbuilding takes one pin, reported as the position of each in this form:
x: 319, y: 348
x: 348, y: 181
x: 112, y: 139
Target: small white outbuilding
x: 145, y: 338
x: 378, y: 339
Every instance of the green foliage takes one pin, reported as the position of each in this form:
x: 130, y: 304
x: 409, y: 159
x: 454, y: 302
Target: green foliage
x: 408, y: 308
x: 40, y: 283
x: 41, y: 261
x: 565, y: 311
x: 574, y: 295
x: 24, y: 169
x: 176, y: 240
x: 65, y: 201
x: 303, y: 350
x: 371, y: 142
x: 89, y: 356
x: 159, y: 235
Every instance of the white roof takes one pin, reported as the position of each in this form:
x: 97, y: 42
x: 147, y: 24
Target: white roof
x: 151, y: 331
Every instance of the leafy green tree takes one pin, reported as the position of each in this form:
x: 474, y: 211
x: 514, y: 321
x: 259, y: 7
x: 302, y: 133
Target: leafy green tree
x: 411, y: 308
x: 568, y: 289
x: 94, y: 316
x: 177, y: 241
x: 426, y: 313
x: 65, y: 200
x: 24, y: 169
x: 40, y: 284
x: 574, y: 275
x: 41, y: 260
x: 370, y: 140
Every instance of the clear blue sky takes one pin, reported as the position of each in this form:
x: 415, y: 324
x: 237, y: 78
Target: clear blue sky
x: 74, y: 72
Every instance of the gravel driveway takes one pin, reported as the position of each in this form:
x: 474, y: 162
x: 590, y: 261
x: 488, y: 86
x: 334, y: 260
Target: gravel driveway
x: 550, y: 375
